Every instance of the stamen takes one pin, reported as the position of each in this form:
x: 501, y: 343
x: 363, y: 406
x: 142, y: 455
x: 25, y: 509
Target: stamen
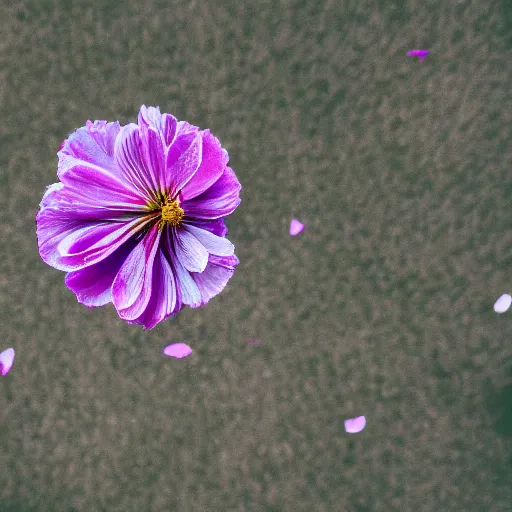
x: 172, y: 214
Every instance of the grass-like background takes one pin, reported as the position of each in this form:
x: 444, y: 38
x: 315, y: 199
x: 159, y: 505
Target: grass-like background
x: 401, y: 171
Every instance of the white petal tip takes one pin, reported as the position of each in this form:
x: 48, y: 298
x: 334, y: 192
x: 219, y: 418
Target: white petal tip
x: 178, y: 350
x: 296, y: 227
x: 6, y: 360
x: 503, y: 303
x: 355, y: 425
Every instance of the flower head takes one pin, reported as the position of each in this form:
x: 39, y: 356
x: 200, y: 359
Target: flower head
x: 136, y: 218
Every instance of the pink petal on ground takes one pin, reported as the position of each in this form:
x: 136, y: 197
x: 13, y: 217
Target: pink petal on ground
x: 253, y: 341
x: 178, y: 350
x: 296, y: 227
x: 503, y: 303
x: 418, y: 53
x: 6, y: 360
x: 355, y: 425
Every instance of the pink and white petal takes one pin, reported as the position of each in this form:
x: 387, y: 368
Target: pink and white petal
x: 6, y: 361
x: 229, y: 262
x: 165, y: 297
x: 177, y: 350
x: 150, y: 116
x: 169, y: 127
x: 51, y: 196
x: 212, y: 243
x: 153, y: 153
x: 184, y: 127
x: 219, y: 200
x: 93, y: 285
x: 83, y: 146
x: 190, y: 294
x: 128, y: 155
x: 296, y: 227
x: 104, y: 134
x: 132, y: 287
x: 214, y: 278
x: 189, y: 250
x: 354, y: 425
x: 213, y: 162
x: 92, y: 185
x: 60, y: 232
x: 52, y: 226
x: 182, y: 161
x: 165, y: 124
x: 215, y: 226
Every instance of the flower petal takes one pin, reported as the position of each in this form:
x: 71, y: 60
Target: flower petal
x: 354, y: 425
x: 213, y: 244
x: 190, y: 294
x: 213, y: 162
x: 296, y: 227
x: 169, y: 126
x: 67, y: 244
x: 190, y: 252
x: 182, y: 161
x: 165, y: 297
x: 215, y: 226
x: 93, y: 285
x: 90, y: 185
x: 152, y: 148
x: 165, y: 124
x: 132, y: 287
x: 128, y: 155
x: 91, y: 144
x: 215, y: 276
x: 6, y: 361
x: 503, y: 303
x: 104, y: 134
x: 177, y: 350
x: 219, y: 200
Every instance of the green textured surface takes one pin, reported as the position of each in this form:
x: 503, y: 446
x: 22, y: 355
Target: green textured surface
x: 401, y: 172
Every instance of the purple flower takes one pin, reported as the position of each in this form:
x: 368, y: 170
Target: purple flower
x: 136, y: 218
x: 421, y: 54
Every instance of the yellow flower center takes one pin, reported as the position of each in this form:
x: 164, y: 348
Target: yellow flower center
x: 172, y: 214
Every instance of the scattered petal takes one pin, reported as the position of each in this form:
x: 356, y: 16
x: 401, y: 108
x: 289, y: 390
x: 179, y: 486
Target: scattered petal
x: 355, y: 425
x: 503, y: 303
x: 178, y: 350
x: 296, y: 227
x: 253, y: 341
x: 421, y: 54
x: 6, y: 360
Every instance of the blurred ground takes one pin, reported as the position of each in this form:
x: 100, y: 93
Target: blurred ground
x: 382, y: 306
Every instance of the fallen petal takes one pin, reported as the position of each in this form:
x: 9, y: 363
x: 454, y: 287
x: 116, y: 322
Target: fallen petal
x: 503, y: 303
x: 253, y: 341
x: 6, y: 360
x: 355, y: 425
x: 296, y: 227
x: 418, y: 53
x: 178, y: 350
